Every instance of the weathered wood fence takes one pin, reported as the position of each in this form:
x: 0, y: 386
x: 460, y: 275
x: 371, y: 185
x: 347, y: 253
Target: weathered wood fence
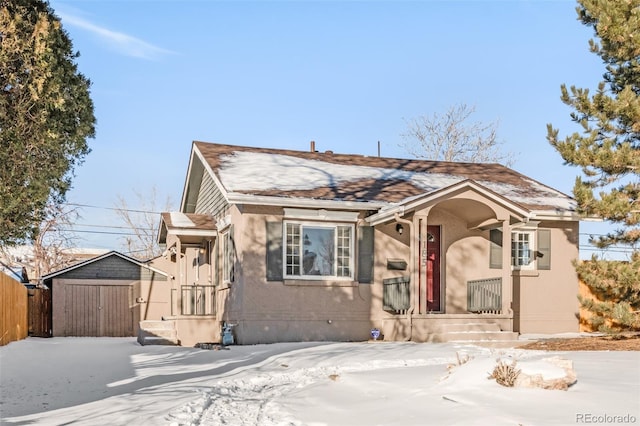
x: 13, y: 310
x: 39, y: 311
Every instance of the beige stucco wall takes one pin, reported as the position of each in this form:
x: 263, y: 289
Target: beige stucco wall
x: 290, y: 310
x: 164, y: 300
x: 302, y: 310
x: 308, y: 310
x: 546, y: 301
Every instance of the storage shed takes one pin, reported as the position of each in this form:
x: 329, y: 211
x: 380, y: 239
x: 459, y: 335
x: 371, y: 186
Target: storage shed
x: 107, y: 295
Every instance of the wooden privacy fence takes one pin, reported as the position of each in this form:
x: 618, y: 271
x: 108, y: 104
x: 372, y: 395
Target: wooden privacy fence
x: 13, y: 310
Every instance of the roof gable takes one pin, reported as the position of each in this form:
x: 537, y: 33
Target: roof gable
x: 264, y: 172
x: 99, y: 259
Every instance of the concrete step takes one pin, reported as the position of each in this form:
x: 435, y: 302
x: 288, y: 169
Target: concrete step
x: 164, y: 333
x: 157, y: 325
x: 477, y: 336
x: 469, y: 327
x: 157, y: 333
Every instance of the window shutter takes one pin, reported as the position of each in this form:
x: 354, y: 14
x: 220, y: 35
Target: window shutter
x: 274, y: 251
x: 365, y: 254
x: 232, y: 255
x: 544, y: 249
x: 216, y: 261
x: 495, y: 249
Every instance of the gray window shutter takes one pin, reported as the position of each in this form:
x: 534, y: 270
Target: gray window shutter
x: 495, y: 249
x: 216, y: 261
x: 365, y: 254
x: 232, y: 255
x: 274, y: 251
x: 543, y: 252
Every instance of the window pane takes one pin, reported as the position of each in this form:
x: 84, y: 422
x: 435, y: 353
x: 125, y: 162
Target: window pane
x: 293, y: 249
x: 344, y: 251
x: 319, y: 251
x: 520, y: 248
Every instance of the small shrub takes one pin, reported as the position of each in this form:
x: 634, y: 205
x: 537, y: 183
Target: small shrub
x: 505, y: 374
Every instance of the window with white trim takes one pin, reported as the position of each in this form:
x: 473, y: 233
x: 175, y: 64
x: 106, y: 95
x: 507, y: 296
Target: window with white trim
x: 523, y: 249
x: 318, y: 250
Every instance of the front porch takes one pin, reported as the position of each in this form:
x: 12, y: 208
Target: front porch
x: 448, y: 327
x: 485, y: 319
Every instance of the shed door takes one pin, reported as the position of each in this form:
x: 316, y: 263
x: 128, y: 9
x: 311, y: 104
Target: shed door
x: 98, y: 310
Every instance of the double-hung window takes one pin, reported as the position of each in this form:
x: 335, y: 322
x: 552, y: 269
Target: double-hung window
x: 522, y: 249
x: 318, y: 250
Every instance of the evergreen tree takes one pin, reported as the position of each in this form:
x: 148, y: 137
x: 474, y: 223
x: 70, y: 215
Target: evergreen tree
x: 607, y: 150
x: 46, y: 115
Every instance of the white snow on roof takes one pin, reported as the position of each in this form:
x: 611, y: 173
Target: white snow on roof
x: 254, y: 171
x: 546, y: 196
x: 181, y: 220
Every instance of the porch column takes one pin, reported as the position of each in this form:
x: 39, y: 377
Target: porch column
x: 507, y: 287
x: 420, y: 274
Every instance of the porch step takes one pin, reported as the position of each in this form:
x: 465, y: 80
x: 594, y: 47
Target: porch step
x: 476, y: 336
x: 470, y: 327
x: 158, y: 333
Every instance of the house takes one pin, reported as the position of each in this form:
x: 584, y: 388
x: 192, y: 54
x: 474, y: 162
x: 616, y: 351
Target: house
x: 107, y: 295
x: 294, y: 246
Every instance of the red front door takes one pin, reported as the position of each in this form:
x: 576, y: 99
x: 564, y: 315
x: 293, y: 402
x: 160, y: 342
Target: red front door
x: 433, y: 268
x: 428, y: 296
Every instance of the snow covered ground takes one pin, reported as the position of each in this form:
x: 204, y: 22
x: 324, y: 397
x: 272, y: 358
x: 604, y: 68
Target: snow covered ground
x: 114, y: 381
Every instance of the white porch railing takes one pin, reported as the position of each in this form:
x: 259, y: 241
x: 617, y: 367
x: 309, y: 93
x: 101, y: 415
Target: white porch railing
x: 485, y: 296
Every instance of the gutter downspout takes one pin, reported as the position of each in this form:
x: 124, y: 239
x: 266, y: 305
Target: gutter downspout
x: 412, y: 262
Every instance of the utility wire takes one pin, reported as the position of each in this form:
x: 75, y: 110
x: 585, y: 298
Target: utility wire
x: 111, y: 208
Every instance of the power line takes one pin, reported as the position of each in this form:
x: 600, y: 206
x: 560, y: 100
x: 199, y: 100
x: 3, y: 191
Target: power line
x: 111, y: 226
x: 112, y: 208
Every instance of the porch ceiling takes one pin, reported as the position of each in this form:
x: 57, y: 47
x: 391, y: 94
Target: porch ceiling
x: 470, y: 211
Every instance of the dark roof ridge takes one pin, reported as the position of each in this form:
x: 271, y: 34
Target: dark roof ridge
x: 329, y: 153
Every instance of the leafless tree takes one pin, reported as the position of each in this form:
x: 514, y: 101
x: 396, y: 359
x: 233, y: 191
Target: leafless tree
x: 143, y: 222
x: 450, y: 137
x: 53, y: 244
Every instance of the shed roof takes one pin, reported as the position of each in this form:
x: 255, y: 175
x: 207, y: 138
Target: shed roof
x: 98, y: 258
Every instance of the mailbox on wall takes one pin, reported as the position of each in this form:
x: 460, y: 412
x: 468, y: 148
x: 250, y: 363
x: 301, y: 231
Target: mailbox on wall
x: 396, y: 264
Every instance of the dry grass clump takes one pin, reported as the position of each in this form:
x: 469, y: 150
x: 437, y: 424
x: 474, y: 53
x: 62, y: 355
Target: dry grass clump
x: 505, y: 374
x: 460, y: 360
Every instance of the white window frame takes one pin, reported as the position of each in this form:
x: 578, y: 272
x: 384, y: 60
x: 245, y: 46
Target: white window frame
x: 531, y: 234
x: 288, y: 255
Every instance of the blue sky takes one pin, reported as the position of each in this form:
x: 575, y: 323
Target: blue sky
x: 279, y: 74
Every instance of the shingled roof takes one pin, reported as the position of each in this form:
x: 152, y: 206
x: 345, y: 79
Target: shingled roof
x: 341, y: 177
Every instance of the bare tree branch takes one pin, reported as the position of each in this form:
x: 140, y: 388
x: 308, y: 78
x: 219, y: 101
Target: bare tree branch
x: 143, y: 223
x: 449, y: 137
